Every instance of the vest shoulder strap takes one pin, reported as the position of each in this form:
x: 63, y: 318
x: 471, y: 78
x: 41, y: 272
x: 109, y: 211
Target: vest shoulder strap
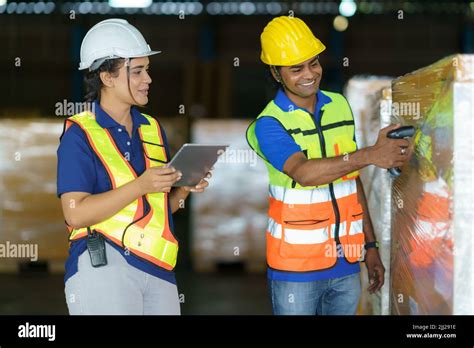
x: 76, y: 119
x: 85, y: 118
x: 339, y: 103
x: 151, y: 133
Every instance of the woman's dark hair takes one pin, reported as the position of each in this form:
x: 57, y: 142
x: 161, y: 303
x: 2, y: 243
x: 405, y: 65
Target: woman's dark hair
x: 92, y: 81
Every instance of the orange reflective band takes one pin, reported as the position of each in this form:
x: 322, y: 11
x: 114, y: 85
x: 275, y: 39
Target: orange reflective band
x: 309, y: 215
x: 304, y: 216
x: 167, y: 234
x: 67, y: 125
x: 139, y: 213
x: 299, y: 258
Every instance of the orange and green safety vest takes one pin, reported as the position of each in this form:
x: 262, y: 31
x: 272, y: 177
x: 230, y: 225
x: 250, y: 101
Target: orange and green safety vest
x: 308, y: 227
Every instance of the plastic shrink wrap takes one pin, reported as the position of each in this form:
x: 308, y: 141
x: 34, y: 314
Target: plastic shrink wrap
x: 432, y: 201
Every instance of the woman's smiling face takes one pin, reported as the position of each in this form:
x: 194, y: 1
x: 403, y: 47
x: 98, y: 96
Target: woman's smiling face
x: 137, y: 91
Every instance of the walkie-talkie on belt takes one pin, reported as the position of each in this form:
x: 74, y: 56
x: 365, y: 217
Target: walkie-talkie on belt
x: 96, y: 247
x: 400, y: 133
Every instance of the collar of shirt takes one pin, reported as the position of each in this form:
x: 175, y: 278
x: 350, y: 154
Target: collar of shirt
x: 285, y: 103
x: 106, y: 121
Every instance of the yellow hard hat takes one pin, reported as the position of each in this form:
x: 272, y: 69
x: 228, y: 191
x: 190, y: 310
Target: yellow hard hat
x: 288, y: 41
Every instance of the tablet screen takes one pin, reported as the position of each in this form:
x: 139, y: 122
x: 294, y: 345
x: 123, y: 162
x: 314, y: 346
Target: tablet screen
x: 194, y: 161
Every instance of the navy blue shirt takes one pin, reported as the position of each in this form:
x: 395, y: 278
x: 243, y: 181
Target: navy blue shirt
x: 80, y: 170
x: 277, y: 146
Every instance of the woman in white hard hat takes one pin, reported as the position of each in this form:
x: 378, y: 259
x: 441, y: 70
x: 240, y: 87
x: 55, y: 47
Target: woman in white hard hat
x: 115, y: 190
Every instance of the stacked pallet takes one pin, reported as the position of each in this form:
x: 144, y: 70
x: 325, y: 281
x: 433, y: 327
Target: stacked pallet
x: 370, y: 100
x: 30, y: 213
x: 229, y: 219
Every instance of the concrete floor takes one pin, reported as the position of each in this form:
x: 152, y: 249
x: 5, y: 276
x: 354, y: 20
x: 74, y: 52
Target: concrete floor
x: 226, y: 292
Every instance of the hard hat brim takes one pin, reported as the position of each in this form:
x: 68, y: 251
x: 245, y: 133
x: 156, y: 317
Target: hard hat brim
x: 98, y: 62
x: 151, y: 53
x: 292, y: 62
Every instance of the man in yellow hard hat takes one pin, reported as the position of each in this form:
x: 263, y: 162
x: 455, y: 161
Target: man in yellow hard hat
x: 318, y: 222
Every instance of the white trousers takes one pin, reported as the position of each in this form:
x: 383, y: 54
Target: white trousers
x: 118, y: 288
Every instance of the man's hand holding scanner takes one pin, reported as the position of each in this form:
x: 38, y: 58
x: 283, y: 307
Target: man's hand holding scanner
x: 390, y: 153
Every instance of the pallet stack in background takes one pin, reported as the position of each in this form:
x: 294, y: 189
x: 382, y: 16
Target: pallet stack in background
x: 229, y: 220
x: 370, y: 100
x: 30, y: 212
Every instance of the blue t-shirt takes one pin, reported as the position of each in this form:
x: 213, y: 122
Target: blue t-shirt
x: 277, y: 146
x: 80, y: 170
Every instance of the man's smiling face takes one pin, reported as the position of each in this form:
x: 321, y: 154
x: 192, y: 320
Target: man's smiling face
x: 303, y: 79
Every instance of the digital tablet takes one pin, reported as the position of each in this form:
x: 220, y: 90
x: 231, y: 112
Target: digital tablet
x: 194, y: 161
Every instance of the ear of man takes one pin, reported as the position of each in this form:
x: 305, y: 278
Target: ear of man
x: 275, y: 73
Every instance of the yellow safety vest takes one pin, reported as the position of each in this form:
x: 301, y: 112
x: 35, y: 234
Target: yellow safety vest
x: 147, y: 236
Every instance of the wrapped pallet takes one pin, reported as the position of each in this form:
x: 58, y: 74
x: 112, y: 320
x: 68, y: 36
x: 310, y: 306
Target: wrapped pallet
x: 229, y: 219
x: 370, y: 100
x: 432, y: 205
x: 30, y: 213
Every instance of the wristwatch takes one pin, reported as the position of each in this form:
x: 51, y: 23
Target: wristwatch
x: 373, y: 244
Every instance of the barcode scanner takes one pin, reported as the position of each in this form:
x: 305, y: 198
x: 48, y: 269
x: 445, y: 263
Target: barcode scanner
x: 403, y: 132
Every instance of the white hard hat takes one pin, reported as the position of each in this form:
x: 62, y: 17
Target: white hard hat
x: 112, y: 38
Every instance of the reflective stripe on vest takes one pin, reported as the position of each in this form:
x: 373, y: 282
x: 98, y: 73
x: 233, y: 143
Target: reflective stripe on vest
x: 309, y: 227
x: 147, y: 236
